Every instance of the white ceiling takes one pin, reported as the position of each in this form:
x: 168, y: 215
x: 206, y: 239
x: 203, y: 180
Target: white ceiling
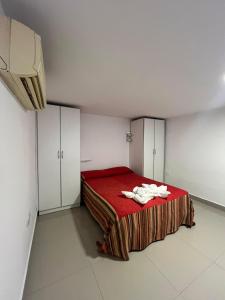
x: 130, y: 57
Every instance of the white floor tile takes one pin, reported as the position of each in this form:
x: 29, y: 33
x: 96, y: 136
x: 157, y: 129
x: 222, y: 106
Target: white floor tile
x: 179, y: 262
x: 50, y: 230
x: 221, y: 261
x: 209, y: 286
x: 64, y: 256
x: 132, y: 280
x: 179, y: 298
x: 53, y: 260
x: 81, y: 286
x: 207, y: 235
x: 199, y: 206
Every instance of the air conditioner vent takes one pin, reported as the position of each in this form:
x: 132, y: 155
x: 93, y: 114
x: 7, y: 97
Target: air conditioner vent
x: 23, y: 72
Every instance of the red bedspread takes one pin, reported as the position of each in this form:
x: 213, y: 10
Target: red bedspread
x: 109, y: 186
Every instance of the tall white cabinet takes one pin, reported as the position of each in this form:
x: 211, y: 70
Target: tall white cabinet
x: 58, y: 158
x: 147, y: 148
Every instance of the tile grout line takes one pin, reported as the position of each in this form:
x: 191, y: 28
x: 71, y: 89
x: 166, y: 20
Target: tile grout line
x: 195, y: 248
x: 200, y: 251
x: 55, y: 281
x: 218, y: 265
x: 222, y: 254
x: 89, y: 266
x: 194, y: 279
x: 212, y: 262
x: 93, y: 272
x: 148, y: 258
x: 97, y: 283
x: 197, y: 277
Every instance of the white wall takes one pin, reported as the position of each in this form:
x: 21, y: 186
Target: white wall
x: 195, y: 154
x: 103, y: 140
x: 18, y: 188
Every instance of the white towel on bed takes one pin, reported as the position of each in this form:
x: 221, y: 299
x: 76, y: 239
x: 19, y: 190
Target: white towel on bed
x: 147, y: 192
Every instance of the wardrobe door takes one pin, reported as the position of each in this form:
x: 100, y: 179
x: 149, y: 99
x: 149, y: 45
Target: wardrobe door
x: 149, y: 148
x: 70, y: 156
x: 49, y: 158
x: 136, y: 146
x: 159, y: 150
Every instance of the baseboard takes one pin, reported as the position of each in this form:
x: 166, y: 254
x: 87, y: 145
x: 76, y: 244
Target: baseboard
x: 28, y: 258
x: 207, y: 202
x: 43, y: 212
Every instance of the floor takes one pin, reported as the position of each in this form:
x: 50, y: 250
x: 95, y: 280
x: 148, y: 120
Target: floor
x: 187, y: 265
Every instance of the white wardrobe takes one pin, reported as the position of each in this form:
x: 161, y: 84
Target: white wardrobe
x: 58, y: 158
x: 147, y: 148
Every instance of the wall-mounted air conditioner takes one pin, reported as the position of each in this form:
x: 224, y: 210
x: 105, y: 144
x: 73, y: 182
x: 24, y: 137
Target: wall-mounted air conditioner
x: 21, y: 63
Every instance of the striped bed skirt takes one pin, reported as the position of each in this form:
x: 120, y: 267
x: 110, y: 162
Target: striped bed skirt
x: 136, y: 231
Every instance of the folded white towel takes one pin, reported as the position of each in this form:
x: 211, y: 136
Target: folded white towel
x: 128, y: 194
x: 159, y: 191
x: 147, y: 192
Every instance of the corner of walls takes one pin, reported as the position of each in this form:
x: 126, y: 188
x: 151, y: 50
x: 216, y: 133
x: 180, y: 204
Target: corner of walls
x: 195, y: 148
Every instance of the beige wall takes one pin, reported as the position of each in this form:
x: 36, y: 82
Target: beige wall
x: 195, y: 154
x: 103, y: 141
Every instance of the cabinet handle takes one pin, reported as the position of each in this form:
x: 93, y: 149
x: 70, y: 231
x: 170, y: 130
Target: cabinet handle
x: 58, y: 154
x: 62, y: 154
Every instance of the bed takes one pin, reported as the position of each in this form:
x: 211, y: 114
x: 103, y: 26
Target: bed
x: 127, y: 225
